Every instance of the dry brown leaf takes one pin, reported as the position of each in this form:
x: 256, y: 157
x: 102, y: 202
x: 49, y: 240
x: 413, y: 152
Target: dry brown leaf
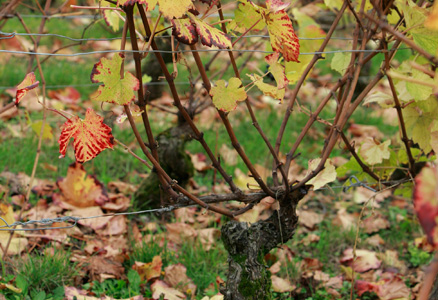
x: 180, y: 232
x: 149, y: 271
x: 375, y: 223
x: 99, y: 266
x: 116, y: 225
x: 81, y: 190
x: 281, y: 285
x: 175, y: 276
x: 161, y: 288
x: 390, y: 258
x: 309, y: 218
x: 375, y: 240
x: 275, y: 268
x: 365, y: 260
x: 208, y: 237
x: 95, y: 224
x: 228, y: 155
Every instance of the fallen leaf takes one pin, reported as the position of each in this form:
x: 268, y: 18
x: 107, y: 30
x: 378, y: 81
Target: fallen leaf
x: 17, y: 244
x: 375, y: 223
x: 309, y: 218
x: 161, y: 288
x: 116, y: 225
x: 208, y: 237
x: 149, y: 271
x: 365, y: 260
x: 99, y: 266
x: 79, y: 189
x: 175, y: 276
x: 180, y: 232
x: 281, y: 285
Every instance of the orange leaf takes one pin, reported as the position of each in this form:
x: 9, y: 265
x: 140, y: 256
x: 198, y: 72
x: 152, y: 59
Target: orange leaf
x: 26, y: 85
x: 149, y: 271
x: 91, y: 136
x: 81, y: 190
x: 114, y: 88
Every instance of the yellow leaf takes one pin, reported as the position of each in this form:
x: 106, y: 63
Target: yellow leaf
x: 328, y: 174
x: 245, y: 16
x: 17, y: 245
x: 225, y: 97
x: 174, y: 8
x: 47, y: 132
x: 374, y: 153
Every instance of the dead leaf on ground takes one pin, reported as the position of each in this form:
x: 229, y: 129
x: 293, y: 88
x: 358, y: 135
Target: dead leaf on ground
x: 375, y: 240
x: 115, y: 226
x: 309, y: 218
x: 159, y: 288
x: 175, y: 276
x: 375, y: 223
x: 17, y: 244
x: 72, y: 293
x: 103, y: 268
x: 180, y: 232
x: 281, y: 285
x: 390, y: 258
x: 365, y: 260
x: 208, y: 237
x: 80, y: 189
x: 149, y: 271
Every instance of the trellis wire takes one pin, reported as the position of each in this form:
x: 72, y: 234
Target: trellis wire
x: 10, y: 35
x: 49, y: 221
x: 189, y: 51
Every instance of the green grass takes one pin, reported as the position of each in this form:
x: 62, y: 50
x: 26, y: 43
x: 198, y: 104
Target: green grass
x: 44, y: 275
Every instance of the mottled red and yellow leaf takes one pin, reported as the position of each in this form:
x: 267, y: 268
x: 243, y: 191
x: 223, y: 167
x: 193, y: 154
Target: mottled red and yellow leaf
x: 110, y: 16
x: 267, y: 89
x: 282, y: 35
x: 91, y: 136
x: 114, y: 88
x: 225, y: 97
x: 210, y: 36
x: 426, y: 202
x: 26, y: 85
x: 184, y: 31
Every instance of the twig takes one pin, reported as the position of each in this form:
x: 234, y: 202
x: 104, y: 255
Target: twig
x: 197, y: 134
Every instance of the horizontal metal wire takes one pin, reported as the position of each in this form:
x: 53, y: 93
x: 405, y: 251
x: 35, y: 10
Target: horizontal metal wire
x: 188, y: 51
x: 10, y: 35
x: 163, y: 83
x: 353, y: 180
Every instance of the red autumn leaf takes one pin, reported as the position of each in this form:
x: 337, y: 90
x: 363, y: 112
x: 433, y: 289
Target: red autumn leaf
x: 26, y: 85
x: 91, y: 136
x: 426, y: 202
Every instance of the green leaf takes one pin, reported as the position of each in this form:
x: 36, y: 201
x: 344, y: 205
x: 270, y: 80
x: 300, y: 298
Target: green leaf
x: 340, y: 62
x: 426, y: 39
x: 114, y: 89
x: 225, y: 97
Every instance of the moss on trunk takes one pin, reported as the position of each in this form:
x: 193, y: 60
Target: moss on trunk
x: 248, y: 277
